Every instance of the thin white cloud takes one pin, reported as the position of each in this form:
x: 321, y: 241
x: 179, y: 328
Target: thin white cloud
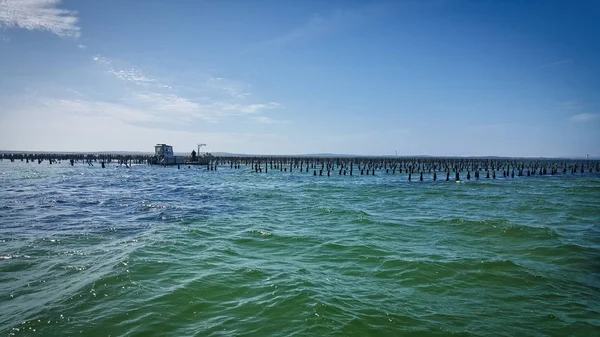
x: 233, y: 89
x: 315, y: 26
x: 74, y: 92
x: 175, y: 108
x: 266, y: 120
x: 99, y: 108
x: 246, y: 108
x: 81, y: 46
x: 154, y: 108
x: 485, y: 127
x: 133, y: 75
x: 585, y: 117
x: 556, y: 63
x: 49, y: 127
x: 183, y: 107
x: 400, y: 130
x: 4, y: 38
x: 41, y: 15
x: 263, y: 119
x: 167, y: 102
x: 570, y: 105
x: 101, y: 59
x: 320, y: 25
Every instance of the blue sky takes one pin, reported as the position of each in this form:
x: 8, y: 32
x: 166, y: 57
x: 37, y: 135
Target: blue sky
x: 506, y: 78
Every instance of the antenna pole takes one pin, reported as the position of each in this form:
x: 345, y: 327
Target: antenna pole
x: 199, y: 146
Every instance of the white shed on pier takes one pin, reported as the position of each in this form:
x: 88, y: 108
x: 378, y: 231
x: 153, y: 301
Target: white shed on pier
x: 163, y: 155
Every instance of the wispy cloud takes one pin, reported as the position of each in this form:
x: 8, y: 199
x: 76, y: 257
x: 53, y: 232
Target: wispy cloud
x: 81, y: 46
x: 266, y: 120
x: 315, y: 26
x: 181, y: 107
x: 101, y: 59
x: 74, y: 92
x: 41, y: 15
x: 556, y: 63
x: 570, y: 105
x: 399, y: 130
x: 168, y: 103
x: 320, y: 25
x: 171, y: 105
x: 585, y: 117
x: 98, y: 108
x: 156, y: 110
x: 78, y: 126
x: 131, y: 75
x: 235, y: 90
x: 246, y: 108
x: 263, y: 119
x: 490, y: 127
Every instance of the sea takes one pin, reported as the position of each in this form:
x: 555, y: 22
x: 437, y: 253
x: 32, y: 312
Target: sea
x: 161, y: 251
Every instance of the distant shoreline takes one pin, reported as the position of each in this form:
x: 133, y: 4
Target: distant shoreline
x: 308, y: 155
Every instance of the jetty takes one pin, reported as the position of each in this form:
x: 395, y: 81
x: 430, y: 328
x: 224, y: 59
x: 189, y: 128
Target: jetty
x: 413, y: 168
x: 164, y: 155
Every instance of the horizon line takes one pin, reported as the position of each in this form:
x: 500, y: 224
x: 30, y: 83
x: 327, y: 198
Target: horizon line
x: 320, y: 154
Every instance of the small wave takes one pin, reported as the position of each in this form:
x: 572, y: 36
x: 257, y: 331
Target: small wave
x: 153, y: 206
x: 499, y: 226
x: 260, y: 232
x: 342, y: 212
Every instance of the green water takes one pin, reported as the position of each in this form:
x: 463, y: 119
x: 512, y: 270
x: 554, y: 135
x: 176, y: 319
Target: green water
x: 152, y: 251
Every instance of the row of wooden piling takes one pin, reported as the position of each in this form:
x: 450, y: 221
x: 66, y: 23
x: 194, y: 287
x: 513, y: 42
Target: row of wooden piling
x: 412, y: 166
x: 474, y: 167
x: 72, y: 158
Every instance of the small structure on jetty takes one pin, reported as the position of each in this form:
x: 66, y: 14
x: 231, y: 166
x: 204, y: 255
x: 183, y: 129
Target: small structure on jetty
x: 199, y: 158
x: 163, y: 155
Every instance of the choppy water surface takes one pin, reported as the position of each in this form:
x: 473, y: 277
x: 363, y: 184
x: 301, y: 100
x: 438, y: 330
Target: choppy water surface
x: 164, y: 252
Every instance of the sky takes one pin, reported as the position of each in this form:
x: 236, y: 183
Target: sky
x: 431, y: 77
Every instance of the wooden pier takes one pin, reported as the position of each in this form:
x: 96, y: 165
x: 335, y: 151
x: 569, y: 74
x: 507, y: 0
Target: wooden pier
x: 414, y: 168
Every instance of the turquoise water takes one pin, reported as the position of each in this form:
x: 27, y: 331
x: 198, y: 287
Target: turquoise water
x: 158, y: 251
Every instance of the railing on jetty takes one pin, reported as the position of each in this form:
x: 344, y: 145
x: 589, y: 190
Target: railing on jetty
x: 89, y: 159
x: 72, y: 158
x: 431, y: 166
